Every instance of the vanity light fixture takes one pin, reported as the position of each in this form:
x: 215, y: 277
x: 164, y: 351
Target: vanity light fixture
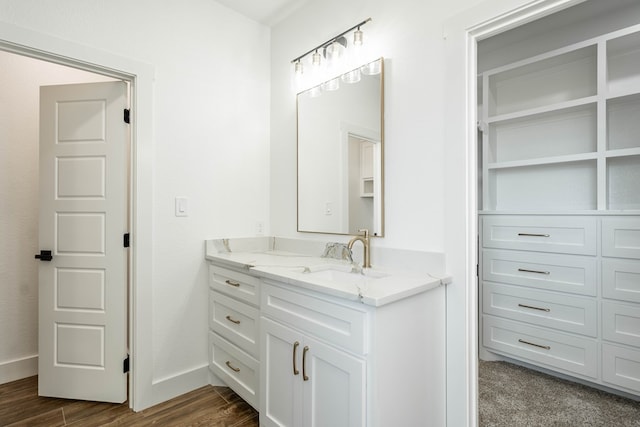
x: 332, y: 51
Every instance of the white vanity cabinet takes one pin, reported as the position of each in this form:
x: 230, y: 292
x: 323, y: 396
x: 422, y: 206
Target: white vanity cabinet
x: 331, y: 362
x: 234, y: 318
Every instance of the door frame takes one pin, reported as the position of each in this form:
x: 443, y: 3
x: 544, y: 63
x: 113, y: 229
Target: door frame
x: 461, y: 34
x: 140, y: 76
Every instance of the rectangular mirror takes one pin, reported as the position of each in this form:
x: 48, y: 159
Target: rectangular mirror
x: 341, y: 154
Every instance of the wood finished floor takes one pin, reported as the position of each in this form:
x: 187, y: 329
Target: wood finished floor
x: 20, y: 405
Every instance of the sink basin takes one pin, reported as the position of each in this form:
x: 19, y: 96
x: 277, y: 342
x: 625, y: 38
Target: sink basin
x: 342, y: 276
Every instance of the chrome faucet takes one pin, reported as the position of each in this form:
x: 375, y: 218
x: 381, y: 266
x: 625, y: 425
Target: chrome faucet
x: 366, y: 262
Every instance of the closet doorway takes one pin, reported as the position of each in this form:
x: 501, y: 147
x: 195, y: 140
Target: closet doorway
x: 558, y: 166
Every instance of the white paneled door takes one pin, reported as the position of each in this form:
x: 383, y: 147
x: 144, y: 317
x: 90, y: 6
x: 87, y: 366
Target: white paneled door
x: 83, y: 218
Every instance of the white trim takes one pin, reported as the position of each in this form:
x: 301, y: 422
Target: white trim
x: 42, y: 46
x: 176, y: 385
x: 19, y: 368
x: 462, y: 33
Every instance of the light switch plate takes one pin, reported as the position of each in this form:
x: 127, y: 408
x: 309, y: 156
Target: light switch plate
x: 182, y: 206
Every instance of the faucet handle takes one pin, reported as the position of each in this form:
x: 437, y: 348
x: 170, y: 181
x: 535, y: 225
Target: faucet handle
x: 365, y: 231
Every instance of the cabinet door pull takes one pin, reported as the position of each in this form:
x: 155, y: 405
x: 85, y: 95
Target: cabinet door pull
x: 534, y: 271
x: 546, y: 347
x: 234, y: 369
x: 232, y: 320
x: 305, y: 350
x: 534, y: 308
x: 232, y: 283
x: 295, y: 349
x: 534, y: 235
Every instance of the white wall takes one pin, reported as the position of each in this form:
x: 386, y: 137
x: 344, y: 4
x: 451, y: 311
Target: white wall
x: 20, y: 81
x: 409, y: 35
x: 210, y: 144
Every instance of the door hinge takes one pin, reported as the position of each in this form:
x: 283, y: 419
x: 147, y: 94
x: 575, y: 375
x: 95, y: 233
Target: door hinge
x: 126, y: 241
x: 127, y: 115
x: 125, y: 365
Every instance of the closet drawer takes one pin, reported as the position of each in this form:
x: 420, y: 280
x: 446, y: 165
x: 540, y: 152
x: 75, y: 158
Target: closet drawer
x: 621, y: 367
x: 234, y: 283
x: 335, y: 323
x: 234, y: 320
x: 562, y: 312
x: 565, y: 273
x: 570, y: 235
x: 569, y: 353
x: 621, y: 323
x: 621, y: 279
x: 237, y: 369
x: 621, y: 237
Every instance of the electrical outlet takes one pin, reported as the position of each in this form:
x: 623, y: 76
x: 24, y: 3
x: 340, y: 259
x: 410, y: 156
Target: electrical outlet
x: 328, y: 208
x: 259, y: 228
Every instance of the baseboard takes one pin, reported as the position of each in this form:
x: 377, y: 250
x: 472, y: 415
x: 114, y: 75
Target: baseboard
x: 13, y: 370
x: 168, y: 388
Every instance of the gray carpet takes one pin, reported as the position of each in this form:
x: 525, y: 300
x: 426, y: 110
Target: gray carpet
x: 510, y: 395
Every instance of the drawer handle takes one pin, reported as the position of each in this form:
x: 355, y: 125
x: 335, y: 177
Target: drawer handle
x: 305, y: 350
x: 295, y: 348
x: 232, y: 283
x: 232, y: 320
x: 533, y: 271
x: 546, y: 347
x: 534, y: 235
x: 234, y: 369
x: 534, y: 308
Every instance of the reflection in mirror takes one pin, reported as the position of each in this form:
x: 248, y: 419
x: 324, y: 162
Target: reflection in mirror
x: 340, y: 154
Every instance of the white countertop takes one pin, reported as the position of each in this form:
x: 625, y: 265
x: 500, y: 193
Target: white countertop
x: 375, y: 287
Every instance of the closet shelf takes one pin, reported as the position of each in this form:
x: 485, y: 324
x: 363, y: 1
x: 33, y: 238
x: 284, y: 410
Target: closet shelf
x: 545, y: 161
x: 542, y: 110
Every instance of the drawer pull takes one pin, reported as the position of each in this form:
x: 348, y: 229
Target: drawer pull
x: 533, y: 271
x: 534, y: 308
x: 534, y: 235
x: 305, y: 350
x: 295, y: 348
x: 232, y: 283
x: 546, y: 347
x: 232, y: 320
x: 234, y: 369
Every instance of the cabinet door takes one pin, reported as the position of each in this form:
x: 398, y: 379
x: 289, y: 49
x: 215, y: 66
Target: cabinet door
x: 334, y: 388
x: 280, y: 384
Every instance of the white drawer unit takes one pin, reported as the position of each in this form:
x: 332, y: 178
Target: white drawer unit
x: 237, y: 369
x: 621, y: 367
x: 565, y: 273
x: 621, y: 237
x: 621, y: 323
x: 621, y: 279
x: 565, y: 352
x: 234, y: 320
x: 563, y: 292
x: 238, y: 285
x: 332, y: 322
x: 570, y: 235
x: 565, y: 313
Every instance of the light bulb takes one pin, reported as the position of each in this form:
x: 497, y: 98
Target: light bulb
x: 357, y: 37
x: 333, y: 84
x: 372, y: 68
x: 352, y: 76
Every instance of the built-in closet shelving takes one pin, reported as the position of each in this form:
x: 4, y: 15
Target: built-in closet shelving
x: 560, y: 212
x: 561, y: 130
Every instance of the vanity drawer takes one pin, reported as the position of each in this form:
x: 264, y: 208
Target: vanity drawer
x: 234, y: 320
x: 621, y: 367
x: 621, y: 279
x: 231, y: 282
x: 237, y: 369
x: 621, y: 323
x: 562, y: 312
x: 570, y: 235
x: 564, y: 273
x: 335, y: 323
x: 621, y: 237
x: 558, y: 351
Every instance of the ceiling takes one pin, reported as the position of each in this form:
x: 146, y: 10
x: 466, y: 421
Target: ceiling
x: 267, y: 12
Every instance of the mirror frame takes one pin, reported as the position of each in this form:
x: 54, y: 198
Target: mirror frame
x: 378, y: 233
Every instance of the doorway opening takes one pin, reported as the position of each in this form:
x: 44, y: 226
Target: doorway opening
x: 30, y: 69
